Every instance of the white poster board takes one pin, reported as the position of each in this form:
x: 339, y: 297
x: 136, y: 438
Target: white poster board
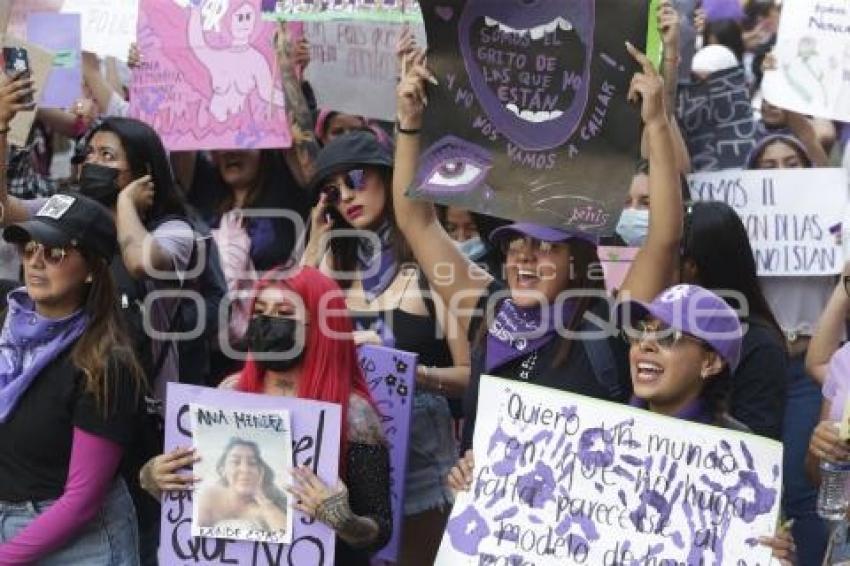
x: 813, y: 59
x: 108, y: 26
x: 564, y: 479
x: 793, y: 216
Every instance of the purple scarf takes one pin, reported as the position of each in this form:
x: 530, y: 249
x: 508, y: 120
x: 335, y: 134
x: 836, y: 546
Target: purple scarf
x: 28, y: 342
x: 379, y: 266
x: 518, y: 331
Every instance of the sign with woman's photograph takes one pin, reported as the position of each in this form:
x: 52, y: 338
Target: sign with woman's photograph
x: 245, y: 461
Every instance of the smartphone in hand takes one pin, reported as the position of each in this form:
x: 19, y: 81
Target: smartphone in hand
x: 16, y: 61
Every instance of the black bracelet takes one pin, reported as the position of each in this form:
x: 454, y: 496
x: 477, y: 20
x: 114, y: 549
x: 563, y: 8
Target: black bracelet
x: 407, y: 132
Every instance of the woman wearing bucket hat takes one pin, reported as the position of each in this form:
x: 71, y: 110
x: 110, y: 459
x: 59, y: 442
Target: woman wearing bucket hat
x: 355, y: 238
x: 70, y: 392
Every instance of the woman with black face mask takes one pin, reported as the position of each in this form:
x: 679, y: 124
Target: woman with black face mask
x: 299, y: 344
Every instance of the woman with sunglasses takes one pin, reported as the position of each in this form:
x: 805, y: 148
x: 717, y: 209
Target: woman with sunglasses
x: 299, y: 345
x: 367, y: 253
x: 683, y: 347
x: 70, y: 394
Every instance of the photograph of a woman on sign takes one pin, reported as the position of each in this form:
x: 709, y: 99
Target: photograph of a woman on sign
x: 244, y: 497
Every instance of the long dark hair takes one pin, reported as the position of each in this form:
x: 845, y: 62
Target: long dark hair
x: 717, y: 242
x: 272, y: 173
x: 103, y: 352
x: 146, y: 156
x: 269, y: 488
x: 728, y: 33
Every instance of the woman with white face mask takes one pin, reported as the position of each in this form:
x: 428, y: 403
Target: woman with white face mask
x: 634, y: 220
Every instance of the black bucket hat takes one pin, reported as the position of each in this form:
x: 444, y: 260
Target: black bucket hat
x: 348, y: 151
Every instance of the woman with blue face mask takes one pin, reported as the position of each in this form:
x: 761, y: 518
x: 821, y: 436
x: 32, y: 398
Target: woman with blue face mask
x: 634, y: 220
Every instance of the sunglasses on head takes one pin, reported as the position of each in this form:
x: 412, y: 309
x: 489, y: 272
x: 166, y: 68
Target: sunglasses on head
x: 355, y: 179
x: 52, y: 255
x: 665, y: 336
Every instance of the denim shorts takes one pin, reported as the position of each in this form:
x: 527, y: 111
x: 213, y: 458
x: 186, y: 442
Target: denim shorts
x: 431, y: 454
x: 110, y: 539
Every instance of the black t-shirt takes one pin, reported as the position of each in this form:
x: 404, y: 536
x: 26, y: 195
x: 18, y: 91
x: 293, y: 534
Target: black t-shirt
x: 35, y: 442
x: 576, y: 375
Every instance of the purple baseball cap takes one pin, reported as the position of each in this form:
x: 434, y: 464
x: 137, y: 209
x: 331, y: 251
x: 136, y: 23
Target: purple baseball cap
x: 694, y: 311
x: 539, y: 232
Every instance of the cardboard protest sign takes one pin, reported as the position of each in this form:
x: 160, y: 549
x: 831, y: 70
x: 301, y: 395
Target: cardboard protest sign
x: 391, y: 376
x: 564, y: 479
x: 108, y: 26
x: 530, y: 119
x: 616, y: 262
x: 41, y: 65
x: 20, y: 10
x: 353, y: 66
x: 716, y: 118
x: 793, y: 231
x: 246, y: 455
x: 209, y: 80
x: 60, y: 34
x: 315, y: 432
x: 813, y: 60
x: 368, y: 10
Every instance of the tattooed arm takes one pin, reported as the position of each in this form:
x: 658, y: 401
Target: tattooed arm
x: 304, y: 144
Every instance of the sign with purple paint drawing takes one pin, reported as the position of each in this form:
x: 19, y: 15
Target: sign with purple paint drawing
x: 530, y: 119
x: 564, y: 479
x: 310, y: 438
x: 391, y: 376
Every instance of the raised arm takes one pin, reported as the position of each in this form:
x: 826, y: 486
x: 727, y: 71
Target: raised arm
x: 830, y: 331
x: 669, y: 24
x: 12, y: 91
x: 655, y: 265
x: 459, y: 282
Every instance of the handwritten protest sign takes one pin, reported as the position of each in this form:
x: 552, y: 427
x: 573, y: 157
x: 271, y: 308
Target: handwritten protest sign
x: 565, y: 479
x: 530, y: 119
x: 209, y: 81
x: 717, y: 120
x: 315, y: 443
x: 353, y: 66
x: 793, y: 231
x: 109, y: 26
x: 60, y: 34
x: 616, y: 262
x: 41, y: 65
x: 391, y: 376
x: 813, y: 59
x: 312, y: 10
x: 245, y: 456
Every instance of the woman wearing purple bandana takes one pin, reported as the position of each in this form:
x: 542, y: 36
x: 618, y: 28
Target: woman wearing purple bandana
x: 366, y: 254
x: 70, y: 392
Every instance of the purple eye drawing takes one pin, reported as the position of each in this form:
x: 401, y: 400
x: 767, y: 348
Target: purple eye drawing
x: 453, y: 166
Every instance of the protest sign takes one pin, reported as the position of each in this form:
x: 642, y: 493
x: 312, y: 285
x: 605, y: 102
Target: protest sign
x: 813, y: 59
x: 315, y: 443
x: 246, y: 456
x: 564, y: 479
x: 687, y: 36
x: 326, y: 10
x: 391, y: 376
x: 793, y: 231
x: 353, y: 66
x: 41, y: 65
x: 209, y: 80
x: 616, y: 262
x: 716, y: 118
x: 60, y: 34
x: 20, y: 10
x: 530, y: 119
x: 108, y: 26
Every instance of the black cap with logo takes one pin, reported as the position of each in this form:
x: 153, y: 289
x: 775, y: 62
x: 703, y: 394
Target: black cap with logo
x: 69, y: 219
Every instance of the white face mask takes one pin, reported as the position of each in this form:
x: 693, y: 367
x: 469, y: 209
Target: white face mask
x: 473, y: 248
x: 633, y: 226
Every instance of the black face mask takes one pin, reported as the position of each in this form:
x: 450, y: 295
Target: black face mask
x: 100, y: 183
x: 272, y: 334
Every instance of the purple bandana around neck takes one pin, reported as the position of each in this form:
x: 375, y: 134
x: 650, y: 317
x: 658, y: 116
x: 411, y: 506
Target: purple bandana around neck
x: 518, y: 331
x: 28, y: 342
x: 380, y: 265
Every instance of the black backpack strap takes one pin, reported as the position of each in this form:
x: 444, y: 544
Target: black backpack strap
x: 601, y: 357
x: 425, y: 288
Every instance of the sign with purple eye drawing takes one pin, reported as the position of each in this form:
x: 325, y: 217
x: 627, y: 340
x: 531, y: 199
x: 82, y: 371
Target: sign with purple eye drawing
x: 562, y: 479
x: 391, y: 377
x: 530, y: 119
x: 314, y: 430
x: 60, y: 34
x: 326, y: 10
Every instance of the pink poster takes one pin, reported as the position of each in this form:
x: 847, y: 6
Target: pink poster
x: 209, y: 78
x: 616, y: 262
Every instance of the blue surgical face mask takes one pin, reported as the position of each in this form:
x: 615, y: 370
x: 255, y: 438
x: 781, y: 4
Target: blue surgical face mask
x: 633, y: 226
x: 473, y: 248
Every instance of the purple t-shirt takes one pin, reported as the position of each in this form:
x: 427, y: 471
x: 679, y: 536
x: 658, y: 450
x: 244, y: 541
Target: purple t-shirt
x: 836, y: 388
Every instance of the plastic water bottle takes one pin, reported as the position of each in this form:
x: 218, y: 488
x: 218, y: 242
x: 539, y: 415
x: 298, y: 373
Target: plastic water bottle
x: 834, y: 495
